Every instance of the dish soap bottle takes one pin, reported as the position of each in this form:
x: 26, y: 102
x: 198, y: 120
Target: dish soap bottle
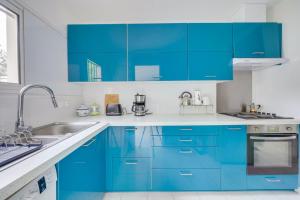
x: 95, y: 109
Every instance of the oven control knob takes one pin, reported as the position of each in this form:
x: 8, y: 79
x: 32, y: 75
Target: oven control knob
x: 289, y: 128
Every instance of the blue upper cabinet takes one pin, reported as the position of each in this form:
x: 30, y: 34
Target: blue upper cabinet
x: 210, y: 37
x: 157, y: 52
x: 97, y: 53
x: 257, y: 40
x: 104, y: 38
x: 210, y: 51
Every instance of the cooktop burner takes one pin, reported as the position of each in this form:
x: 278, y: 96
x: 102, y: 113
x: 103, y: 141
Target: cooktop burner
x: 258, y: 115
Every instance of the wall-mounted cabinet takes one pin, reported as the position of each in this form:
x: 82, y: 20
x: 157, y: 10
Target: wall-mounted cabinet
x: 97, y: 53
x: 166, y: 52
x: 257, y: 40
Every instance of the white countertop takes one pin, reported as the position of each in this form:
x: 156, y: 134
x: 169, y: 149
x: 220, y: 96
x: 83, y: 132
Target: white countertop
x: 18, y: 175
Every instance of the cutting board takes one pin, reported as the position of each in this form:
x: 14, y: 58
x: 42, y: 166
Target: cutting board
x: 111, y: 99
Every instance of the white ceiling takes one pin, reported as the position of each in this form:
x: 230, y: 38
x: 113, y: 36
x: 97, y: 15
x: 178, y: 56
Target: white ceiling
x: 62, y: 12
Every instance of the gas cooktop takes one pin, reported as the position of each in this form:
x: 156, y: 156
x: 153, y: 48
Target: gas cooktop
x: 257, y: 115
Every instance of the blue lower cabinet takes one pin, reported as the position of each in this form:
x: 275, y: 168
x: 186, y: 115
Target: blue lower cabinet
x: 272, y: 182
x: 184, y: 141
x: 185, y: 157
x: 185, y: 179
x: 188, y: 130
x: 130, y: 174
x: 82, y: 174
x: 233, y: 157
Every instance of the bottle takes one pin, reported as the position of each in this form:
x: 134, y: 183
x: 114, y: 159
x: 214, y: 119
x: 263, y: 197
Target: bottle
x: 95, y: 109
x: 197, y: 97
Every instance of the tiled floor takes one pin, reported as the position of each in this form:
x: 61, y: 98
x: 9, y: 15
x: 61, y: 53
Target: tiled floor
x: 272, y: 195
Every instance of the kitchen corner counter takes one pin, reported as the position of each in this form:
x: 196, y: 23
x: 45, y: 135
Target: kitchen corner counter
x: 183, y: 120
x: 18, y: 175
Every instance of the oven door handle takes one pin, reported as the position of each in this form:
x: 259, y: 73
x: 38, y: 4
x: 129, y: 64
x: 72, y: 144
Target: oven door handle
x: 273, y: 138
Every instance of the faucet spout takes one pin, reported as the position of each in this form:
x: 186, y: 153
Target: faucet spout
x: 20, y: 127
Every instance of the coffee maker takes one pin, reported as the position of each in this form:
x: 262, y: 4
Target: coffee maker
x: 139, y: 105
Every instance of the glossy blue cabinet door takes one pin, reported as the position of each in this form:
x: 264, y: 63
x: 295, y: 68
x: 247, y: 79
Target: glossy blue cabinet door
x: 233, y: 156
x: 257, y: 40
x: 210, y: 65
x: 129, y: 153
x: 186, y: 179
x: 157, y: 37
x: 157, y: 66
x: 210, y: 37
x: 81, y: 175
x: 157, y: 52
x: 96, y: 67
x: 97, y: 38
x: 97, y: 53
x: 272, y: 182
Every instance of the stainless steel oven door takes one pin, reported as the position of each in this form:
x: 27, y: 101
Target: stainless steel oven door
x: 272, y: 154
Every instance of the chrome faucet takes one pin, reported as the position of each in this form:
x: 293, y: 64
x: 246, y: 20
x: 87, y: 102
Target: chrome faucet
x: 20, y: 126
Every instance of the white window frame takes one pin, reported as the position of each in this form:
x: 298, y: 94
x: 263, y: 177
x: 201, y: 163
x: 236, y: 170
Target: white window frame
x: 19, y: 11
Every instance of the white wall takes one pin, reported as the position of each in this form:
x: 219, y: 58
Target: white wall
x: 45, y: 63
x: 277, y: 88
x: 162, y: 97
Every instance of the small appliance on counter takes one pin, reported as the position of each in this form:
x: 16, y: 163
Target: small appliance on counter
x: 114, y: 110
x: 186, y: 98
x: 139, y: 105
x: 83, y: 111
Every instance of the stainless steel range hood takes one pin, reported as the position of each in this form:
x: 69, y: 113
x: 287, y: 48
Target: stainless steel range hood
x: 252, y: 64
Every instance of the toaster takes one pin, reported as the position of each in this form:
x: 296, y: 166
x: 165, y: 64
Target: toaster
x: 114, y: 110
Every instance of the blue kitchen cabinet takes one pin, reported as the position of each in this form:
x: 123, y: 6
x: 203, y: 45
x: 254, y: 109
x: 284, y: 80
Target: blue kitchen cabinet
x: 272, y: 182
x: 97, y: 53
x: 82, y: 174
x: 257, y: 40
x: 233, y: 157
x: 129, y: 153
x: 210, y: 65
x: 186, y: 179
x: 95, y: 67
x: 157, y: 52
x: 210, y: 37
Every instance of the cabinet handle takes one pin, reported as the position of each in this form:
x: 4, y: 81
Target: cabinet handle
x: 130, y: 129
x: 89, y: 143
x: 258, y: 53
x: 210, y: 76
x: 186, y: 174
x: 187, y: 140
x: 157, y: 77
x: 97, y: 78
x: 273, y: 180
x: 130, y: 163
x: 186, y: 151
x: 186, y: 129
x: 234, y: 129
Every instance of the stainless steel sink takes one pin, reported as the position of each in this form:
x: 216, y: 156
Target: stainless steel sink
x: 61, y: 128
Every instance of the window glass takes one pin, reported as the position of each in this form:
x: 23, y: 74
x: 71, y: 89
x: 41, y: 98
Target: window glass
x: 9, y: 48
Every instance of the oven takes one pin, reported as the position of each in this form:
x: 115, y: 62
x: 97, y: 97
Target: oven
x: 272, y: 149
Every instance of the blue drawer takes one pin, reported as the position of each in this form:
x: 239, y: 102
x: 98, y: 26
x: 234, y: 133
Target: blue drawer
x: 131, y: 182
x: 185, y: 157
x: 130, y: 165
x: 179, y: 141
x: 190, y: 130
x: 270, y: 182
x: 185, y: 179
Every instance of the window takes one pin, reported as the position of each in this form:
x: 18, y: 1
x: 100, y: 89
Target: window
x: 9, y: 44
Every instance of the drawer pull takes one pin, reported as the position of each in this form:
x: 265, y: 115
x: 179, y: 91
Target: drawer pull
x: 273, y: 180
x: 130, y: 129
x: 130, y: 163
x: 258, y: 53
x: 186, y: 151
x: 210, y: 76
x: 185, y: 140
x: 234, y: 129
x: 186, y: 174
x: 89, y: 143
x: 186, y: 129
